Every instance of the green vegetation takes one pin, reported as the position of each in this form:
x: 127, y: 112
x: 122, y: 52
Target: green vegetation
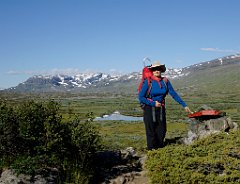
x: 50, y: 147
x: 215, y: 159
x: 55, y: 130
x: 33, y: 137
x: 99, y: 106
x: 120, y: 134
x: 79, y: 105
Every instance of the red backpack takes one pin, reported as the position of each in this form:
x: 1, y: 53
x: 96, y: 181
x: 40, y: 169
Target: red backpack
x: 147, y: 74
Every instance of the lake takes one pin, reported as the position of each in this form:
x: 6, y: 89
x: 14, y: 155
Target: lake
x: 118, y: 117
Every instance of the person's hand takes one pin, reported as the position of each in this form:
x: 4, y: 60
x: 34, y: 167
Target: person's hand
x: 157, y: 104
x: 188, y: 110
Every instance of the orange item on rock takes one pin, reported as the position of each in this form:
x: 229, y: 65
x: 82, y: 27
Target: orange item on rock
x: 204, y: 113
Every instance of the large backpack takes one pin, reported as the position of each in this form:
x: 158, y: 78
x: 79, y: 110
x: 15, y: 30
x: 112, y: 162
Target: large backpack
x: 148, y: 74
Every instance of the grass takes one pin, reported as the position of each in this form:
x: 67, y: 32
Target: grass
x: 120, y: 134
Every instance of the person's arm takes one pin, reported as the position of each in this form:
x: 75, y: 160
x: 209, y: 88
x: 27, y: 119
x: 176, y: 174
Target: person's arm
x: 142, y: 95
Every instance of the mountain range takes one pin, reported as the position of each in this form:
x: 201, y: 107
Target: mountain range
x: 98, y: 81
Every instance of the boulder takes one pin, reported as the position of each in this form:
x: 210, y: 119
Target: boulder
x: 207, y: 121
x: 46, y: 176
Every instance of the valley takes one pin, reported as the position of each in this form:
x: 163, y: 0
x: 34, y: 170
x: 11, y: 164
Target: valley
x: 217, y: 86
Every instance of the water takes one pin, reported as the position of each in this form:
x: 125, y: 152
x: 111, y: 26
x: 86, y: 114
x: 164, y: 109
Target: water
x: 119, y: 117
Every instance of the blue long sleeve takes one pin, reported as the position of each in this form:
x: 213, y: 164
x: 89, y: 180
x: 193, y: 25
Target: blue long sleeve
x: 158, y: 93
x: 175, y: 96
x: 143, y: 93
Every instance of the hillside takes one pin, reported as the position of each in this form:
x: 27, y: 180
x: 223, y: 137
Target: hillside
x: 210, y: 78
x: 219, y: 71
x: 84, y: 82
x: 220, y: 79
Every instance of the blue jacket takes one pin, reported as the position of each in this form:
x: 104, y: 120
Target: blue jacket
x: 158, y: 93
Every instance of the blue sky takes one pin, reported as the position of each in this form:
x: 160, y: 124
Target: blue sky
x: 71, y: 36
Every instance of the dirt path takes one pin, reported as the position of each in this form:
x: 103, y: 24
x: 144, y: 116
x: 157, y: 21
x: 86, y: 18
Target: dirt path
x: 131, y: 178
x: 122, y: 167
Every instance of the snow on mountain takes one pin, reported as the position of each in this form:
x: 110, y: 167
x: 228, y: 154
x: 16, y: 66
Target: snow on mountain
x: 213, y: 63
x: 62, y: 82
x: 82, y: 80
x: 173, y: 73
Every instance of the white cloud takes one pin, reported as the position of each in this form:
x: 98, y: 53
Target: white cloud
x: 55, y: 71
x: 13, y: 72
x: 219, y: 50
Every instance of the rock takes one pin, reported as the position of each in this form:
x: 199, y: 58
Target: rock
x: 129, y: 154
x: 126, y: 171
x: 47, y: 175
x: 190, y: 138
x: 131, y: 178
x: 8, y: 176
x: 142, y: 160
x: 201, y: 127
x: 38, y: 179
x: 43, y: 176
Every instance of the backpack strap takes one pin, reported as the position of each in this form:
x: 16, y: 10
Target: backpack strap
x: 149, y: 87
x: 165, y: 81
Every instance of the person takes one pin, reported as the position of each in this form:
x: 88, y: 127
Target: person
x: 153, y: 100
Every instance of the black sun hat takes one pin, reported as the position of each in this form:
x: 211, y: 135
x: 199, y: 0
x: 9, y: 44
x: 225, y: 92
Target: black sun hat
x: 157, y: 66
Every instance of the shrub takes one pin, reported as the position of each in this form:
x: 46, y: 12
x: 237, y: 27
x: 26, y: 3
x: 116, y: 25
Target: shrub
x: 33, y: 137
x: 215, y: 159
x: 9, y: 133
x: 85, y: 143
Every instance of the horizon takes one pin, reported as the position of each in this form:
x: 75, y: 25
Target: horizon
x: 107, y: 36
x: 74, y: 73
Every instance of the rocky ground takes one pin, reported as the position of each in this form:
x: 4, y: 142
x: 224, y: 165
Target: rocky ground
x: 115, y: 167
x: 122, y: 167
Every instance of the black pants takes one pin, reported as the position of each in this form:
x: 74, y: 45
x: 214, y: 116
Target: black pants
x: 155, y: 125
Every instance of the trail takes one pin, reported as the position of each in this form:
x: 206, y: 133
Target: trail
x: 122, y: 167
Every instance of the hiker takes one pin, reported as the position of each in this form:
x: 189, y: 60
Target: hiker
x: 152, y: 97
